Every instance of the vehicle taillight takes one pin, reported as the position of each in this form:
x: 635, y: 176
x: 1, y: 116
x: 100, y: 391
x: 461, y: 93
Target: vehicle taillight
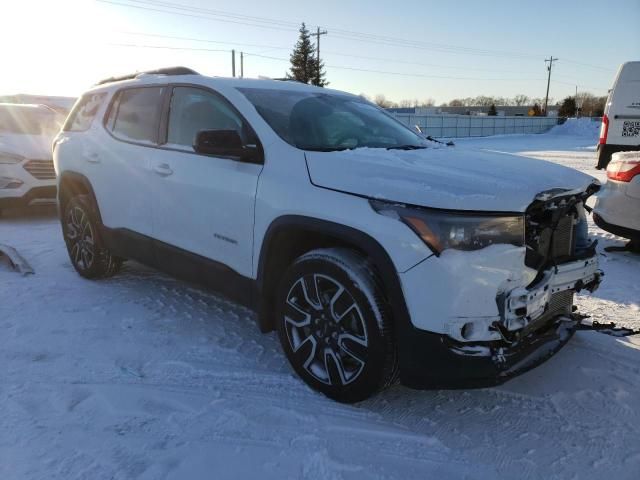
x: 623, y: 170
x: 604, y: 130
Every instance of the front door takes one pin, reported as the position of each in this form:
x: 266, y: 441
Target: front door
x: 204, y: 204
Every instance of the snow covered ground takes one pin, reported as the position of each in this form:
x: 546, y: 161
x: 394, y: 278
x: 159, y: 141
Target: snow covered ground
x: 145, y: 377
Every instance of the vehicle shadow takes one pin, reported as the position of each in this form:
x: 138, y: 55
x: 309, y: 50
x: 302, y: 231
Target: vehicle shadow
x: 580, y: 407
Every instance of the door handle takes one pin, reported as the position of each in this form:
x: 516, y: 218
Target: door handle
x: 92, y: 157
x: 163, y: 169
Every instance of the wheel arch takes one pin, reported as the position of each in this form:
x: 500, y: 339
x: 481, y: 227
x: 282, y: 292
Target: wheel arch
x: 73, y: 183
x: 290, y: 236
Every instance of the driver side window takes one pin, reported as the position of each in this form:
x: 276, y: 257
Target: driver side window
x: 192, y: 110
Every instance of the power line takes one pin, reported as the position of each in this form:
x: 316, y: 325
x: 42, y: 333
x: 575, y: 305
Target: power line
x: 167, y: 47
x: 281, y: 25
x: 342, y: 67
x: 278, y: 24
x: 341, y: 54
x: 190, y: 15
x: 597, y: 67
x: 202, y: 40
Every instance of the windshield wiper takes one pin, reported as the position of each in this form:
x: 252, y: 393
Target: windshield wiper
x: 406, y: 147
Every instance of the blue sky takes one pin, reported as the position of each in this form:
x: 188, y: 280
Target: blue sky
x: 439, y: 50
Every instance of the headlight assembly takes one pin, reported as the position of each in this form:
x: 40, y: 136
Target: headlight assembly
x: 458, y: 230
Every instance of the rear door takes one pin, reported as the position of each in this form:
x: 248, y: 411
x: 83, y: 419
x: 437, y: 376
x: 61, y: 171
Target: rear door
x: 204, y: 204
x: 623, y: 109
x: 123, y: 187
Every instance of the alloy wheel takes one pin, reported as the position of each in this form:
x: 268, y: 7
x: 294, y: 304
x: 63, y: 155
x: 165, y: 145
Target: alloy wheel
x: 80, y: 238
x: 326, y: 330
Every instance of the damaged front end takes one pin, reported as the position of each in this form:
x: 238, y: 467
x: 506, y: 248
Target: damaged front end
x: 558, y: 248
x: 536, y: 320
x: 510, y: 307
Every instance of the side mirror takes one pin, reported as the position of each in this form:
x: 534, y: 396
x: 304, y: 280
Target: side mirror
x: 225, y: 143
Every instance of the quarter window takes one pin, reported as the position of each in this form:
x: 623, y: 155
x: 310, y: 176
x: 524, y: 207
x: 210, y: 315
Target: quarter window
x: 84, y: 112
x: 135, y: 114
x: 193, y: 110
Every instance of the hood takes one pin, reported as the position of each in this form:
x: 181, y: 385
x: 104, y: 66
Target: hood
x: 448, y: 178
x: 28, y: 146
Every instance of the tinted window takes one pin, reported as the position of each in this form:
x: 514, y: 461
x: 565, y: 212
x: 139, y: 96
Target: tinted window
x: 314, y: 120
x: 135, y: 114
x: 84, y: 112
x: 193, y: 110
x: 28, y: 121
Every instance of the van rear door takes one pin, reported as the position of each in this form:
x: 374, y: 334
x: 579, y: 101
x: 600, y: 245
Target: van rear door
x: 620, y: 129
x: 624, y: 109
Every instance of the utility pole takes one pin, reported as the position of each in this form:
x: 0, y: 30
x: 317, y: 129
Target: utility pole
x: 317, y: 35
x: 576, y: 101
x: 546, y: 98
x: 241, y: 64
x: 233, y: 63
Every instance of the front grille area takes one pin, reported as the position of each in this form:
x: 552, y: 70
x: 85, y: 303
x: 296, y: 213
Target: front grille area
x: 562, y: 243
x: 550, y: 233
x: 560, y: 303
x: 41, y: 169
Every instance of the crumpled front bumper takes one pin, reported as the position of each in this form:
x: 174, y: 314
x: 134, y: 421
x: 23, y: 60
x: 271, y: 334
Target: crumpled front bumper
x: 515, y: 320
x: 437, y: 361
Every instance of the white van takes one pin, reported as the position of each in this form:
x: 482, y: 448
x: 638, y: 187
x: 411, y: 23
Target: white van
x: 620, y: 131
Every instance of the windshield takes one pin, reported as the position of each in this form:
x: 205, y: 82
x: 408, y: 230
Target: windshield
x: 27, y: 121
x: 328, y: 121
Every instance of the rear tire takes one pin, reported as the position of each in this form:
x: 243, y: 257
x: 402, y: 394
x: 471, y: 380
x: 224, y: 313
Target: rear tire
x: 334, y: 325
x: 80, y: 228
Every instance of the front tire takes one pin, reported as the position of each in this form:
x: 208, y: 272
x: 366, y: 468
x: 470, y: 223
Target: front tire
x: 334, y: 325
x: 87, y: 251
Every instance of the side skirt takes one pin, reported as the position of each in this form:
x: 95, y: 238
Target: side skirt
x: 182, y: 264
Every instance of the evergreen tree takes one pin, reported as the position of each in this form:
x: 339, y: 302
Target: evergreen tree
x: 304, y: 63
x: 568, y: 107
x: 492, y: 111
x: 319, y: 79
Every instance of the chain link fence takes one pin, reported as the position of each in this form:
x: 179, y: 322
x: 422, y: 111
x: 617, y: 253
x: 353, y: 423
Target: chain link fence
x: 452, y: 126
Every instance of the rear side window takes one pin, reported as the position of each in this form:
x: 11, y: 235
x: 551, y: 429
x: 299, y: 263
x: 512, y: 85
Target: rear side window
x: 84, y: 112
x: 135, y: 114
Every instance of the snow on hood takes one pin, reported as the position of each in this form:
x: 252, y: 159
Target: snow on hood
x: 29, y: 146
x: 446, y: 177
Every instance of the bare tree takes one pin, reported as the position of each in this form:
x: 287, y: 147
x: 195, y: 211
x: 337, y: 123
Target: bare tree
x: 483, y: 101
x: 520, y: 100
x: 427, y: 102
x: 590, y: 105
x: 382, y: 101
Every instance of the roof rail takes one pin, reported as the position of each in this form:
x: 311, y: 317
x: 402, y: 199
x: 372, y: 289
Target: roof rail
x: 288, y: 79
x: 158, y: 71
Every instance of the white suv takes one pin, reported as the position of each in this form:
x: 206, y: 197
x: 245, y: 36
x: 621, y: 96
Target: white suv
x: 374, y: 254
x: 26, y: 167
